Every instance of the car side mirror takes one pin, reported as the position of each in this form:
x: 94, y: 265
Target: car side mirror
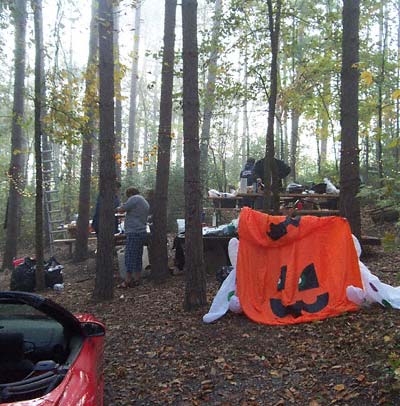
x: 92, y: 329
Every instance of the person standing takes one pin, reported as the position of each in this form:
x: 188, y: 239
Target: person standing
x: 136, y: 210
x: 248, y: 173
x: 258, y: 172
x: 283, y: 170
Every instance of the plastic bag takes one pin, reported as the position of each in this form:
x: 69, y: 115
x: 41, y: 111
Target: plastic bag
x: 53, y: 273
x: 330, y: 187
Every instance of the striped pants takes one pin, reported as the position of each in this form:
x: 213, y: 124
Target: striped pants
x: 134, y: 251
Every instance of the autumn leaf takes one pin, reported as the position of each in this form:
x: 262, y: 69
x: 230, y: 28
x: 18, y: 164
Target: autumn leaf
x: 396, y: 94
x: 367, y: 77
x: 339, y: 387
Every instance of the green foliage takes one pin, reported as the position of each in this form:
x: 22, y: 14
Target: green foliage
x: 382, y: 194
x: 66, y: 118
x: 394, y: 364
x: 176, y: 197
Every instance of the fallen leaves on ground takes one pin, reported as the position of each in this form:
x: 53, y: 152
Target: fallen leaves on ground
x: 157, y: 354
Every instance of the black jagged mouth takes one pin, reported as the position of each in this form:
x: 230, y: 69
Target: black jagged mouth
x: 297, y: 308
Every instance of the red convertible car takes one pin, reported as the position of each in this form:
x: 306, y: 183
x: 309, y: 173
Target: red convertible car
x: 48, y: 357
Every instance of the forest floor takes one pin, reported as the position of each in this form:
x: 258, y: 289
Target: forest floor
x: 158, y: 354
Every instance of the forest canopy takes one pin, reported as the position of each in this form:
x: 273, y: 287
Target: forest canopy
x: 237, y: 51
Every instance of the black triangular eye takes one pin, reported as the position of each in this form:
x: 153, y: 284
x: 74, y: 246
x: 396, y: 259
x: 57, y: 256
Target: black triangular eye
x: 282, y: 279
x: 308, y: 278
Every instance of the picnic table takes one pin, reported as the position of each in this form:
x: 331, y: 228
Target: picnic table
x: 316, y: 204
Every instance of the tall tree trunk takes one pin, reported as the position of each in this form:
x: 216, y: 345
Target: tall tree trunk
x: 103, y: 289
x: 159, y: 257
x: 39, y: 102
x: 179, y: 143
x: 270, y: 168
x: 397, y: 133
x: 209, y: 97
x: 236, y: 162
x: 381, y: 79
x: 245, y: 144
x: 146, y: 120
x: 349, y: 161
x: 195, y: 291
x: 294, y: 139
x: 326, y: 95
x: 133, y: 136
x: 88, y: 131
x: 18, y: 142
x: 118, y: 99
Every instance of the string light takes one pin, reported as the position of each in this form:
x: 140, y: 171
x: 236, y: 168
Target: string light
x: 145, y: 160
x: 17, y: 185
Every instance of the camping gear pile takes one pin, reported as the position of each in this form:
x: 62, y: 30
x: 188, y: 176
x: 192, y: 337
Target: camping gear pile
x: 23, y: 275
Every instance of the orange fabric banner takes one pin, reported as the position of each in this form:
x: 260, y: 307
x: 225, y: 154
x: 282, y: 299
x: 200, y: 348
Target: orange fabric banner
x: 294, y: 270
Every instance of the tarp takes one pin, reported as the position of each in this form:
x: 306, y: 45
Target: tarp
x: 294, y: 270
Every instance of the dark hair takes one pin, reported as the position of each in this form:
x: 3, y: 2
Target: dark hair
x: 132, y: 191
x: 251, y: 160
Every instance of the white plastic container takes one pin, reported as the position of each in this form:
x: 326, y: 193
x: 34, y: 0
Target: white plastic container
x: 243, y: 185
x: 181, y: 225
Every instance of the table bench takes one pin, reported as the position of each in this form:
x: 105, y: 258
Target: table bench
x: 69, y: 242
x: 119, y: 239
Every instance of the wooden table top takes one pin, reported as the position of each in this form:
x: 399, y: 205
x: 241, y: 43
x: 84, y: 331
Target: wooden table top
x: 294, y: 195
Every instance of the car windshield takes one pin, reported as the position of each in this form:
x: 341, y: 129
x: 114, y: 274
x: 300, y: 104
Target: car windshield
x: 19, y: 310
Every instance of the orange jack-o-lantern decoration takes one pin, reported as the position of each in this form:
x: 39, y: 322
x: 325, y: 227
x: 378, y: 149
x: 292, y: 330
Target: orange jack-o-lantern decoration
x: 310, y: 298
x: 294, y: 270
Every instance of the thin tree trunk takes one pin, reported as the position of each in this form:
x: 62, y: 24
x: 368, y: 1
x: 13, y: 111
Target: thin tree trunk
x: 195, y: 290
x: 159, y: 257
x: 18, y: 142
x: 270, y: 167
x: 397, y: 136
x: 118, y: 99
x: 381, y: 78
x: 104, y: 282
x: 245, y: 134
x: 179, y: 144
x: 133, y: 136
x: 82, y: 227
x: 294, y: 138
x: 209, y: 98
x: 325, y: 122
x: 349, y: 162
x: 39, y: 102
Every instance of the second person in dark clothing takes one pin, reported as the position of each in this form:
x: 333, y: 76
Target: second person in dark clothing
x: 283, y: 170
x: 247, y: 171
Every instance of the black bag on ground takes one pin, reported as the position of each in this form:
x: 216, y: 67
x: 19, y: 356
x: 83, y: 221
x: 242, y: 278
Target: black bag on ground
x: 319, y: 188
x: 23, y: 276
x: 53, y: 273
